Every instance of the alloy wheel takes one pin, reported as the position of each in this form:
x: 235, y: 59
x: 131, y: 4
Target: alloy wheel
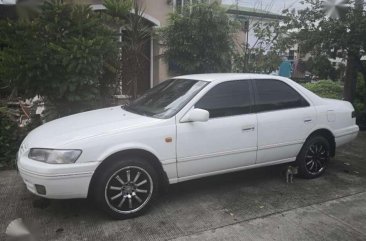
x: 128, y: 190
x: 316, y: 157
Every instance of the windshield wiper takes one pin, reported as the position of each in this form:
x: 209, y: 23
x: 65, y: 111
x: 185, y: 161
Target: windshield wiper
x: 137, y: 111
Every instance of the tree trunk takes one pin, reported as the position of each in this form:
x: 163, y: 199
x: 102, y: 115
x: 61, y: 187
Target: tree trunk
x: 353, y: 55
x: 362, y: 68
x: 350, y: 79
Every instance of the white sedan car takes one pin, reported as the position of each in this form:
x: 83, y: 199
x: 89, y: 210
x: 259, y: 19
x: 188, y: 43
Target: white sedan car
x: 184, y: 128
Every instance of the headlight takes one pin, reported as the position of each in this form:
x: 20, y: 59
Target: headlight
x: 54, y: 156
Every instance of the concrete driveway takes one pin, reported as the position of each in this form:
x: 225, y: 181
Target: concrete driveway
x: 249, y: 205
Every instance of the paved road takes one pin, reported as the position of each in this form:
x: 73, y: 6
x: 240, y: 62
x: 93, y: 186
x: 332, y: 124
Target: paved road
x: 249, y: 205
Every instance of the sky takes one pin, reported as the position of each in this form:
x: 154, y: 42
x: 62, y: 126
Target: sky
x: 269, y: 5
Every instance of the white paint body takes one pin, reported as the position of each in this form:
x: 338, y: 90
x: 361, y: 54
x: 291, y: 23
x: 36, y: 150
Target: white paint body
x: 198, y: 149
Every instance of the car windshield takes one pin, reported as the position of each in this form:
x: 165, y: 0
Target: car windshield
x: 166, y: 99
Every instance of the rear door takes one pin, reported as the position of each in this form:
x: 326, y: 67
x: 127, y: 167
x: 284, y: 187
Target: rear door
x: 285, y: 119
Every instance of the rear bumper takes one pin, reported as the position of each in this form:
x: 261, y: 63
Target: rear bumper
x: 59, y: 181
x: 346, y: 135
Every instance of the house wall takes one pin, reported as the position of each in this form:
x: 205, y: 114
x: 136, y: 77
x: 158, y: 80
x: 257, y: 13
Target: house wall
x: 158, y: 9
x: 240, y: 38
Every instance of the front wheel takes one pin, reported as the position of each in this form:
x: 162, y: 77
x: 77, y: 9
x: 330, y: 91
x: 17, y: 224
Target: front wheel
x: 126, y: 188
x: 313, y: 157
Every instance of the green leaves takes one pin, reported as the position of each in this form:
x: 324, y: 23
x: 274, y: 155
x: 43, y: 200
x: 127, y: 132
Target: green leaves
x: 320, y: 35
x: 59, y: 55
x: 321, y: 67
x: 199, y: 41
x: 68, y: 54
x: 326, y: 89
x: 118, y: 8
x: 316, y: 32
x: 10, y: 138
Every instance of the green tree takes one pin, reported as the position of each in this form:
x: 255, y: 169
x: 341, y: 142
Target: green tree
x: 199, y: 40
x: 60, y: 55
x: 321, y: 67
x: 320, y: 34
x: 256, y: 60
x: 264, y: 55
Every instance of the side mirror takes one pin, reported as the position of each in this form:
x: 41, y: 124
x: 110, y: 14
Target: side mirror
x: 196, y: 115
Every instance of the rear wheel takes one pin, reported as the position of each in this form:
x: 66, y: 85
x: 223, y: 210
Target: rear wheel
x: 313, y: 157
x: 126, y: 188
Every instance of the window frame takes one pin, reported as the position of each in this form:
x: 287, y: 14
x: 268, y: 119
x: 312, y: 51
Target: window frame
x: 255, y: 93
x: 251, y: 97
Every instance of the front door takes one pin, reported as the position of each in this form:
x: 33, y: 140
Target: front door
x: 227, y: 141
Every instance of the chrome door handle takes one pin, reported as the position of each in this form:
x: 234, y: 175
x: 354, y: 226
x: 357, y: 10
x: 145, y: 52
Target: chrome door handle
x: 307, y: 120
x: 248, y: 128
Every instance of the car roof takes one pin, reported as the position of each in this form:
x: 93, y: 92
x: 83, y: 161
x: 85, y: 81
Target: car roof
x: 228, y: 76
x: 220, y: 77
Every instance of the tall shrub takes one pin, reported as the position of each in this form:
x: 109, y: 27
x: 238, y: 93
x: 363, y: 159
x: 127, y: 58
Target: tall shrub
x: 60, y: 55
x: 198, y: 40
x: 326, y: 89
x: 10, y: 138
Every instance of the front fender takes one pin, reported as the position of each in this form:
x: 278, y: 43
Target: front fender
x: 126, y: 146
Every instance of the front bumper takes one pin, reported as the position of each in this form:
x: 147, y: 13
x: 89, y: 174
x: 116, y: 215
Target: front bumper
x: 61, y: 181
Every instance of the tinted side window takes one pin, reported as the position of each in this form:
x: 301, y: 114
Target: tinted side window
x: 277, y: 95
x: 227, y: 99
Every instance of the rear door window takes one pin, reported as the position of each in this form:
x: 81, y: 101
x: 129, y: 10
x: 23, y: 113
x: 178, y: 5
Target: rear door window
x: 271, y: 95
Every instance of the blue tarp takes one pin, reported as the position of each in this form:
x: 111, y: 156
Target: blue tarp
x: 285, y: 69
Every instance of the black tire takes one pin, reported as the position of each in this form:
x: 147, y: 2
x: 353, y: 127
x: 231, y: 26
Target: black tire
x: 313, y: 157
x: 126, y: 188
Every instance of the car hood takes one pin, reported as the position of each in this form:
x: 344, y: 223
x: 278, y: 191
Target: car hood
x: 86, y: 125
